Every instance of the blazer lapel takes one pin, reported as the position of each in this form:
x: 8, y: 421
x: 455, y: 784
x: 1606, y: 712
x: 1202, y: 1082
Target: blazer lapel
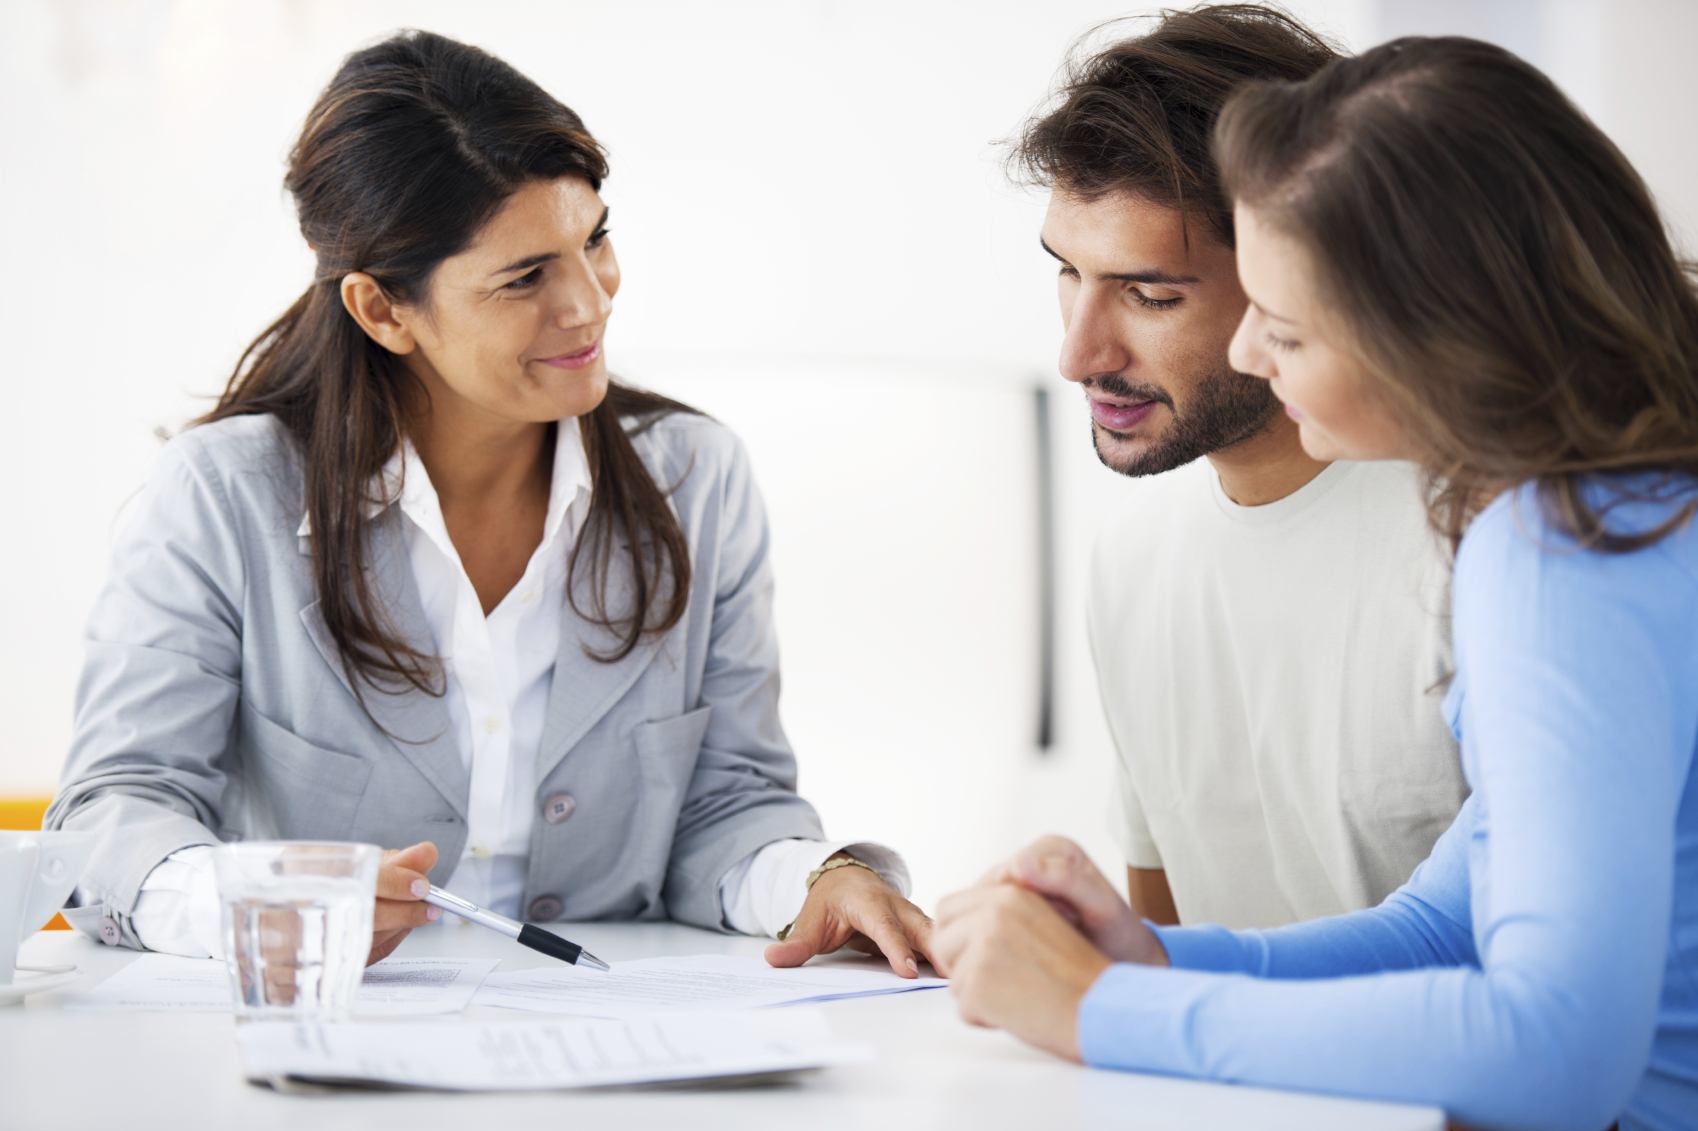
x: 417, y: 724
x: 585, y: 689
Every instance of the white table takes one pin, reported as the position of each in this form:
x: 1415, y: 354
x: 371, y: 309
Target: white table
x: 63, y: 1071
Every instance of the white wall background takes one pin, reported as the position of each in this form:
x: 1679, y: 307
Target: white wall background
x: 818, y: 247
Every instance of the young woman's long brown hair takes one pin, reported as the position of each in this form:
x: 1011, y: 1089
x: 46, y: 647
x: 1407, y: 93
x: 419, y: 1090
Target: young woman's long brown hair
x: 1500, y: 267
x: 413, y: 146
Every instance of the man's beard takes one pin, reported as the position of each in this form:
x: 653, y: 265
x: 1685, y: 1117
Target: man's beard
x: 1225, y: 407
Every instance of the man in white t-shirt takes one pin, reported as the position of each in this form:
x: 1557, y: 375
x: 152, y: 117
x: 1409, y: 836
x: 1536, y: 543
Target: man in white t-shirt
x: 1269, y: 631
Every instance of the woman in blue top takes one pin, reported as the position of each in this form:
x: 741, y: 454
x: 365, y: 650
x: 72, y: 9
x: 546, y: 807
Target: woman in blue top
x: 1446, y: 262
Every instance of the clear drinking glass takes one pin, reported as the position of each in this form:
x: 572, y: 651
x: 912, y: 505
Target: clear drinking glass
x: 297, y: 926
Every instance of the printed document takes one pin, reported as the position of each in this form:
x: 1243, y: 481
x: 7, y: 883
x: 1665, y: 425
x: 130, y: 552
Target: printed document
x: 394, y: 987
x: 704, y: 981
x: 572, y: 1053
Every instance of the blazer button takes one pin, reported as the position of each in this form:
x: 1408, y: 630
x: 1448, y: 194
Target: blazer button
x: 558, y: 808
x: 545, y: 909
x: 109, y: 932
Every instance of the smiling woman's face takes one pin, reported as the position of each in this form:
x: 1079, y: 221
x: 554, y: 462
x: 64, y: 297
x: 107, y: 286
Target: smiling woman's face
x: 1287, y: 339
x: 513, y: 332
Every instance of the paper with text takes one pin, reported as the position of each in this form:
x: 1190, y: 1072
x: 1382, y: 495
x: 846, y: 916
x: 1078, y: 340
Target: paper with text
x: 394, y: 987
x: 575, y: 1053
x: 703, y: 981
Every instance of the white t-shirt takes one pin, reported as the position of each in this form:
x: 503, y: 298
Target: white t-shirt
x: 1271, y: 678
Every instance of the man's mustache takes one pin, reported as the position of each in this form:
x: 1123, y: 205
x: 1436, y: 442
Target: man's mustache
x: 1120, y: 387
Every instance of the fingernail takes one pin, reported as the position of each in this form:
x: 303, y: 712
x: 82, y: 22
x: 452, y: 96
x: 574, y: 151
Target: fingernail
x: 433, y: 913
x: 912, y: 966
x: 420, y: 888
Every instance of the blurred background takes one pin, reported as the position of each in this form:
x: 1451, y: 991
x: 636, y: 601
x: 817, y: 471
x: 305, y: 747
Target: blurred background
x: 819, y: 248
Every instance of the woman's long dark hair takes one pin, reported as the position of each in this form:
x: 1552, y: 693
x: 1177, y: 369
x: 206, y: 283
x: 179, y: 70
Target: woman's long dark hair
x: 411, y: 149
x: 1507, y: 281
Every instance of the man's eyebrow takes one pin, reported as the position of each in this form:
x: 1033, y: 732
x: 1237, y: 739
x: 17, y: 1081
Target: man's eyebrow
x: 1160, y: 278
x: 526, y: 263
x: 532, y: 260
x: 1154, y: 278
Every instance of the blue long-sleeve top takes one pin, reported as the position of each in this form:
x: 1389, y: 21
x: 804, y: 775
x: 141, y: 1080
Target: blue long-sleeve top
x: 1540, y: 969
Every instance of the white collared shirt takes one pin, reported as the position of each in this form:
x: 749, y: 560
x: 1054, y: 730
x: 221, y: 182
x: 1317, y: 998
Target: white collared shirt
x: 499, y: 667
x: 499, y: 671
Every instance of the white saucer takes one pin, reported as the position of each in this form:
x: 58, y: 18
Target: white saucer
x: 36, y: 979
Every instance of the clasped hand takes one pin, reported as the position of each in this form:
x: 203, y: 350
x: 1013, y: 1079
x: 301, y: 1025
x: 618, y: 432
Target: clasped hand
x: 1022, y: 947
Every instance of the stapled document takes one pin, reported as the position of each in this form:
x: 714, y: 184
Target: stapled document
x: 704, y: 981
x: 391, y: 988
x: 566, y: 1053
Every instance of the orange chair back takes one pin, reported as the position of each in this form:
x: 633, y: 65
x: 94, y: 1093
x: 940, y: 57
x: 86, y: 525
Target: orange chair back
x: 26, y: 813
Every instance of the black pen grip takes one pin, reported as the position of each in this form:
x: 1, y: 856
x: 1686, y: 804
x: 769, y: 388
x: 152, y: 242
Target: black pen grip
x: 550, y: 944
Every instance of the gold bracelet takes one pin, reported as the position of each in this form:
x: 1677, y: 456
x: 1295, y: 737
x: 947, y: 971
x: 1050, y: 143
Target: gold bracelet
x: 813, y: 878
x: 837, y: 862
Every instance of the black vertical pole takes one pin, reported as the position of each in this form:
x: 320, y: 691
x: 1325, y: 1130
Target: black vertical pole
x: 1046, y: 568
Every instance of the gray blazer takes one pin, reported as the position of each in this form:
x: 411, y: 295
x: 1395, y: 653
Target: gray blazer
x: 212, y: 705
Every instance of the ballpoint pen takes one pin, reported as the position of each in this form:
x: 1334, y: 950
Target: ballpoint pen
x: 534, y: 937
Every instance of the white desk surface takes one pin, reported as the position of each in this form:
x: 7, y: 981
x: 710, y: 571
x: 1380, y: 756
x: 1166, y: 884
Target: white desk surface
x: 64, y: 1071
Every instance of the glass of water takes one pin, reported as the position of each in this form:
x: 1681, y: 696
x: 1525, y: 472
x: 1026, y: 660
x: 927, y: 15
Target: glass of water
x: 297, y: 926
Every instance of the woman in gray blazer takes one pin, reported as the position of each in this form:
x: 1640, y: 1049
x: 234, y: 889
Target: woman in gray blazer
x: 426, y: 577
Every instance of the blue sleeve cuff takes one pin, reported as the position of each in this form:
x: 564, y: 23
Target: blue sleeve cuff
x: 1209, y: 948
x: 1139, y: 1018
x: 1100, y: 1027
x: 1134, y: 1016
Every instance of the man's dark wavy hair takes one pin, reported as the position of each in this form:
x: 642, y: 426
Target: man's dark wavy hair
x: 1138, y: 115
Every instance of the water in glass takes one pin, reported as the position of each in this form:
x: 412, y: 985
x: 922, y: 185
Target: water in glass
x: 297, y: 927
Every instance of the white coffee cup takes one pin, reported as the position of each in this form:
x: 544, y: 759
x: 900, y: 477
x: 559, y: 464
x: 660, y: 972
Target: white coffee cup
x: 37, y: 872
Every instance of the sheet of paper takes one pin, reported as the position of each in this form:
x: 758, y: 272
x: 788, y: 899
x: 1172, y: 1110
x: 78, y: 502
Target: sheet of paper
x: 573, y: 1053
x: 704, y: 981
x: 392, y: 988
x: 413, y: 987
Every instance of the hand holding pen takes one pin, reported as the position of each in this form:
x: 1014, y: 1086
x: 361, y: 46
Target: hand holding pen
x: 402, y: 884
x: 406, y: 899
x: 545, y: 942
